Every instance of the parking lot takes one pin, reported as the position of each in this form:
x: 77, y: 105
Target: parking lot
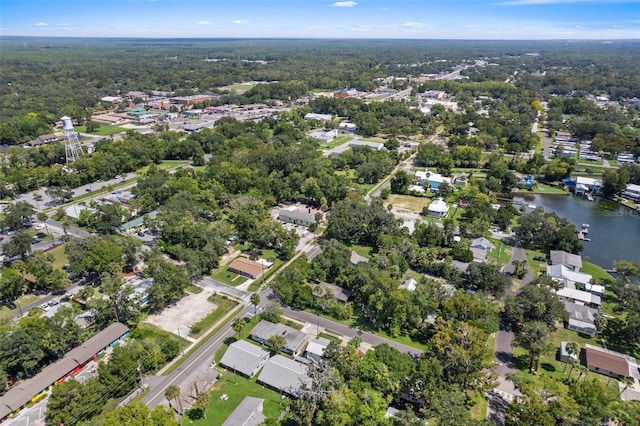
x: 179, y: 318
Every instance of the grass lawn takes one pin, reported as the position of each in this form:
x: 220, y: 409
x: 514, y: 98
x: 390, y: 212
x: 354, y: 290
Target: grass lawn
x: 362, y: 250
x: 22, y: 301
x: 542, y: 188
x: 224, y: 276
x: 408, y: 203
x: 595, y: 271
x: 336, y: 142
x: 103, y: 130
x: 550, y: 366
x: 194, y: 289
x: 236, y: 388
x: 535, y: 265
x: 223, y: 305
x: 59, y: 257
x: 479, y: 407
x: 501, y: 254
x: 165, y: 165
x: 241, y: 86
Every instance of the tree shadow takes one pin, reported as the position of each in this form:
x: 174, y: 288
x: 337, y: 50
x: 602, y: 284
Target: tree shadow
x: 548, y: 367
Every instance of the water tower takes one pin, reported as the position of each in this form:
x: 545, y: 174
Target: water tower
x: 72, y: 147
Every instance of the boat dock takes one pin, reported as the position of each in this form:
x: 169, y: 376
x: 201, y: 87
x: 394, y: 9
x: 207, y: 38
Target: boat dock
x: 582, y: 233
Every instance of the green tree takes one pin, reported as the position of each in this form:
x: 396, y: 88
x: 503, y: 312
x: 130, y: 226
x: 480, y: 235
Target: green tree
x: 172, y: 393
x: 572, y: 349
x: 272, y: 312
x: 276, y: 343
x: 536, y: 337
x: 255, y: 301
x: 137, y: 413
x: 20, y: 244
x: 18, y: 215
x: 238, y: 325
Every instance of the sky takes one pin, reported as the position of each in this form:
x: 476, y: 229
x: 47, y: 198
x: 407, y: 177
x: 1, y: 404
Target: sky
x: 399, y: 19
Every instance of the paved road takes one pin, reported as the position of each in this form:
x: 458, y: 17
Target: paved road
x: 219, y: 287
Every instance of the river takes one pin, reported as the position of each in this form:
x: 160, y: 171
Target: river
x: 614, y: 229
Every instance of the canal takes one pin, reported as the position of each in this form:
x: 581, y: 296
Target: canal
x: 614, y: 229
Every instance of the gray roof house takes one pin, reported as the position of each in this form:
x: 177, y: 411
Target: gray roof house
x: 248, y: 413
x: 244, y: 358
x: 23, y: 391
x: 581, y: 318
x: 295, y: 339
x: 284, y: 375
x: 355, y: 258
x: 483, y: 244
x: 315, y: 349
x: 568, y: 260
x: 304, y: 217
x: 409, y: 285
x: 339, y: 293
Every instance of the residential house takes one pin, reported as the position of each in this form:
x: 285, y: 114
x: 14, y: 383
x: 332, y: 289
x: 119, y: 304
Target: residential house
x: 45, y: 139
x: 244, y: 358
x: 295, y: 339
x: 610, y: 363
x: 596, y: 289
x: 416, y: 188
x: 568, y: 260
x: 409, y: 285
x: 434, y: 180
x: 631, y: 192
x: 568, y: 277
x: 438, y: 208
x: 625, y: 158
x: 340, y: 294
x: 376, y: 146
x: 248, y: 413
x: 136, y: 95
x: 315, y: 349
x: 581, y: 318
x: 284, y: 375
x: 586, y: 184
x: 305, y: 216
x: 579, y: 297
x: 111, y: 99
x: 247, y: 267
x: 324, y: 136
x: 482, y: 243
x: 355, y: 258
x: 347, y: 127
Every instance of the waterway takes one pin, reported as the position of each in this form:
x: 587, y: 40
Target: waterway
x: 613, y: 228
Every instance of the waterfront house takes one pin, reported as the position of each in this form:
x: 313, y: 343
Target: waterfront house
x: 587, y: 184
x: 581, y: 318
x: 568, y: 260
x: 631, y: 192
x: 568, y: 277
x: 579, y: 297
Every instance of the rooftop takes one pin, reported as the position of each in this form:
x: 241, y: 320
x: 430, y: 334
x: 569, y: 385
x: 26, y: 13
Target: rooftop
x: 284, y: 375
x: 247, y: 266
x: 560, y: 257
x: 244, y: 357
x: 265, y: 329
x: 248, y: 413
x: 562, y: 272
x: 614, y: 362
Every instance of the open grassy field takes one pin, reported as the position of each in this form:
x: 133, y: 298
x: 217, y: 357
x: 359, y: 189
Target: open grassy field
x: 408, y: 203
x: 223, y: 275
x: 501, y: 254
x: 103, y: 130
x: 541, y: 188
x: 59, y: 257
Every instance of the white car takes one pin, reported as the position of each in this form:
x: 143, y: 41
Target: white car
x: 40, y: 226
x: 45, y: 307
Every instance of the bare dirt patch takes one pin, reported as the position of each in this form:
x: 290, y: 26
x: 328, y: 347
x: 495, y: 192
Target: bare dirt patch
x: 408, y: 203
x: 189, y: 310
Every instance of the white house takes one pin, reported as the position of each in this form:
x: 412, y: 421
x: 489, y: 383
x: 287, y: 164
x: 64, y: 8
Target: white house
x: 568, y: 277
x: 319, y: 117
x: 433, y: 179
x: 579, y: 297
x: 483, y: 244
x: 632, y: 192
x: 409, y: 285
x: 438, y: 208
x: 586, y: 184
x: 347, y: 127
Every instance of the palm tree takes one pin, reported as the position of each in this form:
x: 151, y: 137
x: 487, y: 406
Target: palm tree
x: 173, y: 393
x: 600, y: 322
x: 202, y: 401
x: 573, y: 363
x: 572, y: 349
x: 583, y: 371
x: 255, y: 301
x: 237, y: 324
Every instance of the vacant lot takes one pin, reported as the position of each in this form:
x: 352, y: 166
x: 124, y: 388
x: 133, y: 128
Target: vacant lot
x: 189, y: 310
x: 408, y: 203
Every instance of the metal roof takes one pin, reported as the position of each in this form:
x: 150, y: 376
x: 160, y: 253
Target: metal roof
x: 23, y: 391
x: 248, y: 413
x: 244, y: 357
x: 284, y: 374
x: 265, y: 329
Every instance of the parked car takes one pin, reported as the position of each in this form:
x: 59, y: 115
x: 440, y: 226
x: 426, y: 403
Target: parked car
x: 40, y: 226
x: 45, y: 307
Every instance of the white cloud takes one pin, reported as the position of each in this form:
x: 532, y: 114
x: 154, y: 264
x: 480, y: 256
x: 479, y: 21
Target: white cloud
x: 203, y: 22
x: 360, y: 28
x: 344, y: 4
x: 239, y: 22
x: 412, y: 24
x: 41, y: 24
x: 541, y: 2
